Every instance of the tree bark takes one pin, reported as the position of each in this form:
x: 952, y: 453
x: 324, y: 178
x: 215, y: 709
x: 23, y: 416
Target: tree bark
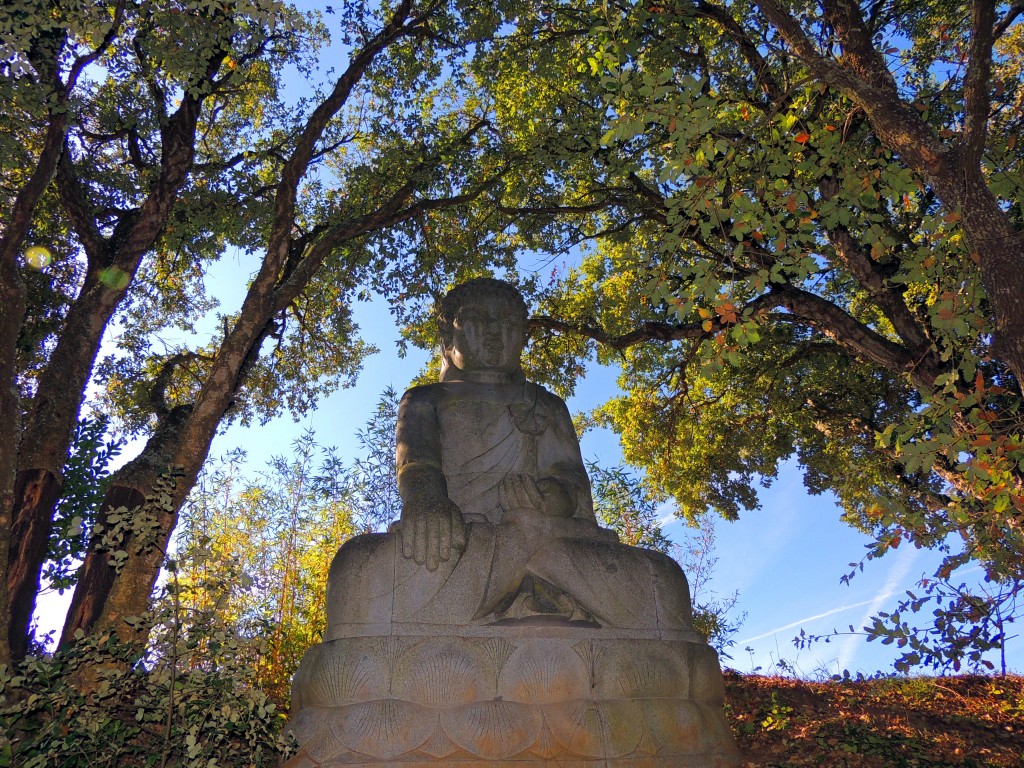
x: 99, y: 597
x: 45, y: 54
x: 13, y: 298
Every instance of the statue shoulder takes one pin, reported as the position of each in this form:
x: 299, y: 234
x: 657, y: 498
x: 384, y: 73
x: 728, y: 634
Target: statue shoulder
x: 549, y: 399
x: 422, y: 394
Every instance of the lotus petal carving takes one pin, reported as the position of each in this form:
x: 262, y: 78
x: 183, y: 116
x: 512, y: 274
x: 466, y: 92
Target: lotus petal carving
x: 539, y: 673
x: 438, y: 674
x: 596, y: 729
x: 384, y: 729
x: 344, y: 674
x: 640, y: 670
x: 495, y: 730
x: 678, y: 726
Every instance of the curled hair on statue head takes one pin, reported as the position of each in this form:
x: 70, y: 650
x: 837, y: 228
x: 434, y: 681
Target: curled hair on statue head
x: 479, y: 289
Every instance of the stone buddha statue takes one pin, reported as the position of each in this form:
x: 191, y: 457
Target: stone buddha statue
x: 496, y: 614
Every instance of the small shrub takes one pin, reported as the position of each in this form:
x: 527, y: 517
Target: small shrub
x: 94, y: 706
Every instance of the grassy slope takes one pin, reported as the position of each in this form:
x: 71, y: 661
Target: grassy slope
x: 970, y: 722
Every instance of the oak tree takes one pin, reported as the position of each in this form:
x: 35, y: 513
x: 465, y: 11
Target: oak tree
x: 800, y: 235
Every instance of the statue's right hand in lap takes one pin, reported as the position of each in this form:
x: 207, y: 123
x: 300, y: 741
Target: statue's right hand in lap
x: 522, y: 494
x: 431, y: 530
x: 432, y: 526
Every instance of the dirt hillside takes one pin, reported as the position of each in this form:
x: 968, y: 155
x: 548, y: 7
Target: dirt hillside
x: 968, y: 722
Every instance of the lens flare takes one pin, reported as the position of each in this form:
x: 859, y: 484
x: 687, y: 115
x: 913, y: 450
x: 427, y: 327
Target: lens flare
x: 114, y: 278
x: 38, y: 257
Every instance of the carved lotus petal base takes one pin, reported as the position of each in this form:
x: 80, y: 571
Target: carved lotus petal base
x: 570, y: 699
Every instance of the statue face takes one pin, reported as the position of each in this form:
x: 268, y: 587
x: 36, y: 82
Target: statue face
x: 487, y: 336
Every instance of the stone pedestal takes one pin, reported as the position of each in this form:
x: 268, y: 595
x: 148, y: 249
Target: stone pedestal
x: 516, y: 696
x: 411, y: 674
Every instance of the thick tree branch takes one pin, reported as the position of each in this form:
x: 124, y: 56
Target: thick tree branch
x: 953, y: 170
x: 862, y: 76
x: 75, y: 201
x: 804, y: 308
x: 886, y: 297
x: 850, y: 333
x: 976, y: 82
x: 401, y: 23
x: 163, y: 379
x: 653, y: 330
x: 1004, y: 23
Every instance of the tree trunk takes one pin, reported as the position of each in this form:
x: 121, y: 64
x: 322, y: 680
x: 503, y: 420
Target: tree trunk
x: 49, y: 425
x: 45, y: 440
x: 12, y: 314
x: 103, y: 594
x: 34, y: 490
x: 12, y: 299
x: 998, y: 248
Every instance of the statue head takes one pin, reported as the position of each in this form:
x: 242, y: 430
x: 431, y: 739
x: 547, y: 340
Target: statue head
x: 483, y: 329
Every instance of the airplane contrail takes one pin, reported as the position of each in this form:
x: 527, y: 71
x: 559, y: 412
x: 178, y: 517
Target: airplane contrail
x: 816, y: 616
x: 897, y: 574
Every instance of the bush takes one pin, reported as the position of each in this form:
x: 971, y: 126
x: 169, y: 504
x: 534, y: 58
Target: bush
x: 93, y: 705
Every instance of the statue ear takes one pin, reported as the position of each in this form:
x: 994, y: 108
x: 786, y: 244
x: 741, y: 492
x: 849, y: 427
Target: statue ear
x: 445, y: 331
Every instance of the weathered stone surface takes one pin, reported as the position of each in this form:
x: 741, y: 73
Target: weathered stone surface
x: 400, y: 699
x: 497, y: 623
